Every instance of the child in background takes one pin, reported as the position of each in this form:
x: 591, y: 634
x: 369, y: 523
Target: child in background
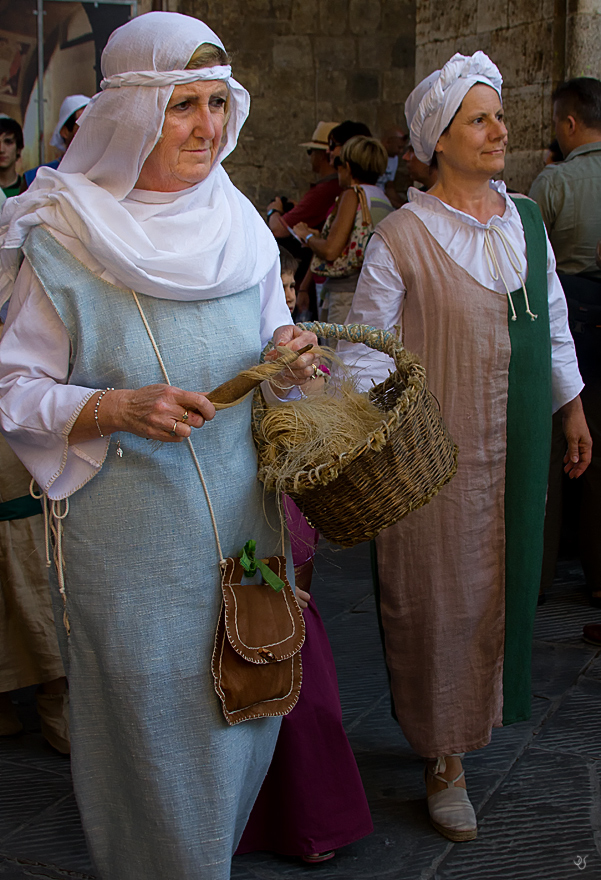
x: 289, y: 265
x: 312, y: 800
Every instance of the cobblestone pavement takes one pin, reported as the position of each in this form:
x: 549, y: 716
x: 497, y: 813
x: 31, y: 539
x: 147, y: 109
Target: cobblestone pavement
x: 536, y: 787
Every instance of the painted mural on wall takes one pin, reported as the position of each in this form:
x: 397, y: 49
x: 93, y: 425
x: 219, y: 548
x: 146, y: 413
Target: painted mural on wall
x: 15, y: 53
x: 74, y: 36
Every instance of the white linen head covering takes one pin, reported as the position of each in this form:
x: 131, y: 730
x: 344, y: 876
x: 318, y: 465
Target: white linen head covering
x: 70, y: 105
x: 412, y: 102
x: 203, y: 242
x: 432, y: 104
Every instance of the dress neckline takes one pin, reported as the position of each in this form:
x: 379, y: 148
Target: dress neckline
x: 441, y: 209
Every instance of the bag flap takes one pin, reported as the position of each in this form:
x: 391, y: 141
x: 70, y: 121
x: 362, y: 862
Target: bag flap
x: 262, y: 625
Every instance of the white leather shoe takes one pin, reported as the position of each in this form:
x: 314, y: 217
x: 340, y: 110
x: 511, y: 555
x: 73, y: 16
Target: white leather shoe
x: 451, y: 811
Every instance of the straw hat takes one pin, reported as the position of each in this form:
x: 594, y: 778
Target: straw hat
x: 319, y: 139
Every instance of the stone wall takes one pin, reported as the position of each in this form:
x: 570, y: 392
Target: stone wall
x: 306, y: 60
x: 583, y: 37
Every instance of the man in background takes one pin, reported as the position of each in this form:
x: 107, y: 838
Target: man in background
x: 569, y: 196
x: 313, y: 208
x: 11, y: 145
x: 394, y: 140
x: 420, y: 173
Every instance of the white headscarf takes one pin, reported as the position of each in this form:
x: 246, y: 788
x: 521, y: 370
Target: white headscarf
x: 432, y: 104
x: 204, y: 242
x: 70, y: 105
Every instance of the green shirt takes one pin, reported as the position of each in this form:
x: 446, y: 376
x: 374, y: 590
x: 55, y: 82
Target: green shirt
x: 14, y: 189
x: 569, y: 197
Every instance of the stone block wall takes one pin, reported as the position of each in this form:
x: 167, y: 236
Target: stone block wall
x: 306, y: 60
x: 583, y: 37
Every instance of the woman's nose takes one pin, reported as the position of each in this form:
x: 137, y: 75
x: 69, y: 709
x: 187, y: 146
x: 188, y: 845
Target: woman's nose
x: 204, y: 126
x: 500, y: 129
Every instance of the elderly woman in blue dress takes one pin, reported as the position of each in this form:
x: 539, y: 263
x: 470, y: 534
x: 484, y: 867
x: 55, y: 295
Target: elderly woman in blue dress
x: 147, y: 278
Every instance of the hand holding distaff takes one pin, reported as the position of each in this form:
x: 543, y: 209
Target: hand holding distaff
x: 292, y: 337
x: 156, y: 412
x: 168, y: 414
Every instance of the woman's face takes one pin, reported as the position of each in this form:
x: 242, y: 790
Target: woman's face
x: 477, y: 138
x: 190, y: 139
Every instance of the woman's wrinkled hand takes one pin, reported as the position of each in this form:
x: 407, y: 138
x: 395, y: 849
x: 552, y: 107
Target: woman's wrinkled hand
x: 292, y: 337
x: 156, y: 412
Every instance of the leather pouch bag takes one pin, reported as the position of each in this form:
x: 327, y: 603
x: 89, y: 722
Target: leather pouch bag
x: 256, y: 659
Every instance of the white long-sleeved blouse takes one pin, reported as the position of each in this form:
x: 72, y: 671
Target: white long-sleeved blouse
x: 37, y: 407
x: 380, y: 292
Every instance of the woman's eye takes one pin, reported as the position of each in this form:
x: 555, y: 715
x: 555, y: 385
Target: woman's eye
x: 218, y: 102
x: 183, y: 105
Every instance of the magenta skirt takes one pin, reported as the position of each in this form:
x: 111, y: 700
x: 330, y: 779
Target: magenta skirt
x: 312, y: 799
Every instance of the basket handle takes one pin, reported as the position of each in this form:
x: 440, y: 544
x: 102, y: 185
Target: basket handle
x: 379, y: 340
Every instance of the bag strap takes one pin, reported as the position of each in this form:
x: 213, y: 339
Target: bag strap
x: 189, y: 440
x: 360, y: 192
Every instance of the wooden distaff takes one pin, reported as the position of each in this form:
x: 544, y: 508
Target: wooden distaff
x: 236, y: 389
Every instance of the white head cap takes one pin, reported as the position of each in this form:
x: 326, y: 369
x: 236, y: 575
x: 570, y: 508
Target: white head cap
x: 432, y: 104
x: 70, y: 105
x: 200, y: 243
x: 141, y: 63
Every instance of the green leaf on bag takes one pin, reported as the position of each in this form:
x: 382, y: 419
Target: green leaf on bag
x: 250, y: 566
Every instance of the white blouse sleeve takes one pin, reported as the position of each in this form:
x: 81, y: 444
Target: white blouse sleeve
x: 37, y: 407
x: 378, y: 302
x: 566, y: 379
x: 274, y: 313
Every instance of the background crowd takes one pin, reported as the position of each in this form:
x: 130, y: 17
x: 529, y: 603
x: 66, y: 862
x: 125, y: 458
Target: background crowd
x: 457, y: 582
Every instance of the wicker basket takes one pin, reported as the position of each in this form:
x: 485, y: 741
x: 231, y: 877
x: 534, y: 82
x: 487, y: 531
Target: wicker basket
x: 398, y: 468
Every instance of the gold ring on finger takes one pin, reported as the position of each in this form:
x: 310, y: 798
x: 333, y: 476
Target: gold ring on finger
x: 172, y: 431
x: 184, y: 418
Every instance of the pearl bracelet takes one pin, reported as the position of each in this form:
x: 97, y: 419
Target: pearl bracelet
x: 100, y: 396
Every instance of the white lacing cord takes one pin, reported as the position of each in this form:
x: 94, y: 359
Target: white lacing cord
x: 516, y: 264
x: 44, y: 499
x: 56, y: 525
x: 191, y: 447
x: 53, y: 525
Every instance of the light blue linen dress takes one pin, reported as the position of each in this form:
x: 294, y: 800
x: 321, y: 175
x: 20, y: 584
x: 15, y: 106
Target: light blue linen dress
x: 164, y: 786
